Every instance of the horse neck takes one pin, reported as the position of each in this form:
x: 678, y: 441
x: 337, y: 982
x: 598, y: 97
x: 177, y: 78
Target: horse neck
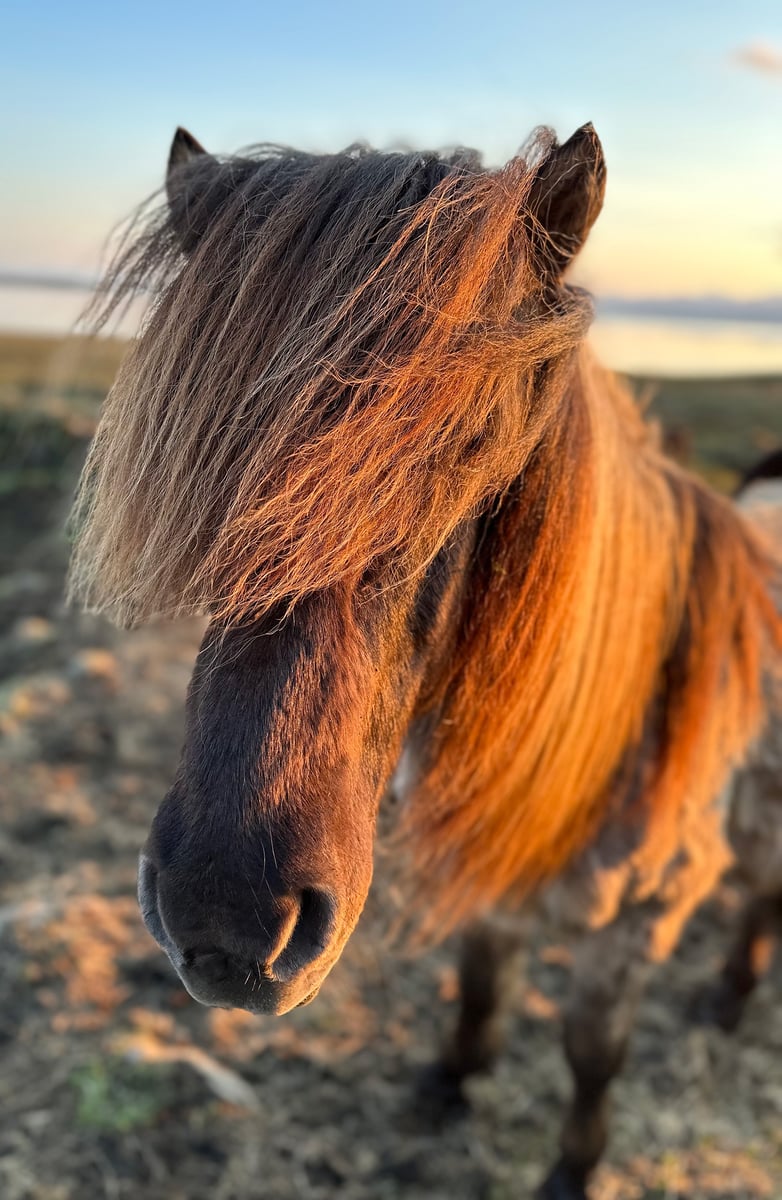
x: 614, y: 654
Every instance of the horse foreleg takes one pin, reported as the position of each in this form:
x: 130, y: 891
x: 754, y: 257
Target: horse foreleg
x: 747, y: 963
x: 610, y: 971
x: 489, y: 960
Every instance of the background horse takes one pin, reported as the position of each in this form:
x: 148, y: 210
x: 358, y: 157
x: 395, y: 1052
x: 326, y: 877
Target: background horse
x: 361, y: 430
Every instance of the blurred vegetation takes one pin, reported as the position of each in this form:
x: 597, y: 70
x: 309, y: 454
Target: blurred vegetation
x: 717, y: 426
x: 51, y: 390
x: 116, y: 1095
x: 42, y: 369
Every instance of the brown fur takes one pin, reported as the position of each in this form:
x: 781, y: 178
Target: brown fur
x: 360, y: 353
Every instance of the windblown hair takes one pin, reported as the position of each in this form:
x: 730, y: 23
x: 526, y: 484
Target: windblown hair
x: 343, y: 369
x: 612, y: 668
x: 359, y: 353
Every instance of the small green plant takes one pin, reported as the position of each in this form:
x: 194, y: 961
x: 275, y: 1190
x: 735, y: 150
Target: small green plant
x: 117, y: 1095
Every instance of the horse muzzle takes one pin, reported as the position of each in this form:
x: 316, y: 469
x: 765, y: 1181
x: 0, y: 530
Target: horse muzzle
x: 220, y: 965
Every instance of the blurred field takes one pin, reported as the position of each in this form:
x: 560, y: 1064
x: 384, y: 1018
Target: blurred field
x: 113, y: 1083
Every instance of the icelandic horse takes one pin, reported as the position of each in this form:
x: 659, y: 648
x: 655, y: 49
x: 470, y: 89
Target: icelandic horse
x: 362, y: 431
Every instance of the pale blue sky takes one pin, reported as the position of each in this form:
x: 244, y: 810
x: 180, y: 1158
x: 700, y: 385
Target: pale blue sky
x: 91, y: 92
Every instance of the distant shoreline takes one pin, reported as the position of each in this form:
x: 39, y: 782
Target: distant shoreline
x: 50, y: 346
x: 49, y: 282
x: 632, y: 337
x: 765, y: 311
x: 761, y: 310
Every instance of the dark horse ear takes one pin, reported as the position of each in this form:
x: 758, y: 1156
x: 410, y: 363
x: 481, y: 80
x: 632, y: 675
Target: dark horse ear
x: 193, y: 187
x: 567, y: 196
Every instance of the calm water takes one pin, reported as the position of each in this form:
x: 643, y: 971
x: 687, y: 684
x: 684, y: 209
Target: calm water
x: 40, y: 310
x: 650, y: 346
x: 644, y: 345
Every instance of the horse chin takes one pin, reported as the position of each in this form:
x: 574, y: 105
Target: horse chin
x: 308, y: 999
x: 261, y: 997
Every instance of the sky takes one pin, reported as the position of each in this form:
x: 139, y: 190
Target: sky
x: 686, y: 97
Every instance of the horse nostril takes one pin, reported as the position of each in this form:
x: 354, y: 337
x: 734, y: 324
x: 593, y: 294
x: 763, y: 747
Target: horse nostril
x: 310, y: 936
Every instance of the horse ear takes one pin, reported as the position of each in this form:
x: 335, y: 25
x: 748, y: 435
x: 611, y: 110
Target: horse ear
x: 184, y: 148
x: 192, y: 196
x: 567, y: 196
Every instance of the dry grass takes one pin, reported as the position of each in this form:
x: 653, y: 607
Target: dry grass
x: 113, y: 1084
x: 81, y: 364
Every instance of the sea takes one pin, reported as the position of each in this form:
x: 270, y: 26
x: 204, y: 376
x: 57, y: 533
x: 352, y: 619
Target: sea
x: 646, y: 345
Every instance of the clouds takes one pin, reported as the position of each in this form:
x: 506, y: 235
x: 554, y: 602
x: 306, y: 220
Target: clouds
x: 761, y: 57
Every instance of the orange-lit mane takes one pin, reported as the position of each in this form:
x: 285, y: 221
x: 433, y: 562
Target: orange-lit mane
x: 361, y: 352
x: 612, y: 667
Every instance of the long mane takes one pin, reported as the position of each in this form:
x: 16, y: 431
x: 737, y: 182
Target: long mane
x: 344, y: 368
x: 359, y: 354
x: 612, y: 668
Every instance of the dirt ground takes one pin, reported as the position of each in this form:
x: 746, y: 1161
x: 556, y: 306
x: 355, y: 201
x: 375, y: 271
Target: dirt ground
x: 113, y: 1083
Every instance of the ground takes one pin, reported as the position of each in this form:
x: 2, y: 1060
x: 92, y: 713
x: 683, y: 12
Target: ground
x: 113, y: 1083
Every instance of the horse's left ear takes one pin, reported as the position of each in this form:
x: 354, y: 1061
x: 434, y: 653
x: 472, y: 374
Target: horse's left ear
x: 184, y: 148
x: 567, y: 195
x: 193, y: 188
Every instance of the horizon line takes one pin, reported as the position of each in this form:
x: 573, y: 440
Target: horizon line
x: 704, y: 305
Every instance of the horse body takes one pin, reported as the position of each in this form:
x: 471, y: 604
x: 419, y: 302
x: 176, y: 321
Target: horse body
x: 361, y: 430
x: 754, y: 826
x: 624, y: 919
x: 741, y: 824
